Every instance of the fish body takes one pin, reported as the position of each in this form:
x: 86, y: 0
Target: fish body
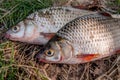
x: 40, y: 27
x: 84, y: 39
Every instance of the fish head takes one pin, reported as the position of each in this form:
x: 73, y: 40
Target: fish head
x: 58, y: 51
x: 16, y: 32
x: 24, y: 31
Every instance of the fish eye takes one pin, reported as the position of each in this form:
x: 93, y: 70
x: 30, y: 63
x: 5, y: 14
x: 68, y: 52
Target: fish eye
x: 15, y: 29
x: 49, y: 53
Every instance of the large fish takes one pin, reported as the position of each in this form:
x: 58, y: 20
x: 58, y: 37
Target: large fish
x: 41, y: 26
x: 84, y: 39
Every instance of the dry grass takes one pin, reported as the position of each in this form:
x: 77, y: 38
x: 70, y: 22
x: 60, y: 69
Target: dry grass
x: 17, y: 59
x: 24, y: 67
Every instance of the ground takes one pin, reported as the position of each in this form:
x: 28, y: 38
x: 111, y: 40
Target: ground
x: 17, y: 59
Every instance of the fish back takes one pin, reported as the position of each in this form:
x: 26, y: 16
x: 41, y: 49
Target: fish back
x: 92, y: 34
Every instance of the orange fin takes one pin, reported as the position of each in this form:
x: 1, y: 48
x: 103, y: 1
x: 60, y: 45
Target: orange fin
x: 48, y: 35
x: 118, y: 51
x: 88, y: 57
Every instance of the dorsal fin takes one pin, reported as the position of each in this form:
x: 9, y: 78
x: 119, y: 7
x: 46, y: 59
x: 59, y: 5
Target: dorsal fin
x: 109, y: 13
x: 102, y: 10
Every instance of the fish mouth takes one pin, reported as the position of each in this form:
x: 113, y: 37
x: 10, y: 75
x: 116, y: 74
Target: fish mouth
x: 45, y: 61
x: 42, y: 60
x: 38, y: 58
x: 7, y: 35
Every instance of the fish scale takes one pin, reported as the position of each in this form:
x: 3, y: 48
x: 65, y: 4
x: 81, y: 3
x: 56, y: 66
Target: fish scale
x: 43, y: 23
x: 59, y: 16
x: 93, y: 33
x: 84, y: 39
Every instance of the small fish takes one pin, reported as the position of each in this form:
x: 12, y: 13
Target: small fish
x: 41, y: 26
x: 84, y: 39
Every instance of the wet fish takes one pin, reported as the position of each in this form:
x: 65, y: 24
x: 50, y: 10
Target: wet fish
x: 41, y: 26
x: 84, y: 39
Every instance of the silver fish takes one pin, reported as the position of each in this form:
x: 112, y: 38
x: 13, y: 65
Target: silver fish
x: 84, y: 39
x: 41, y: 26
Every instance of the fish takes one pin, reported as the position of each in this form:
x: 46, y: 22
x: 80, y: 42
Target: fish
x: 84, y: 39
x: 40, y: 26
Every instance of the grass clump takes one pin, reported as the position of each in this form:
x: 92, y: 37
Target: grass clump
x: 13, y: 11
x: 12, y: 65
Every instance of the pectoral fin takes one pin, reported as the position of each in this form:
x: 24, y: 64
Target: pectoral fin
x: 47, y: 35
x: 118, y: 51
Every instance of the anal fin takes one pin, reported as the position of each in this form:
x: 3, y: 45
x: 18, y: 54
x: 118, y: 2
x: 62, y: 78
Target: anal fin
x: 88, y: 57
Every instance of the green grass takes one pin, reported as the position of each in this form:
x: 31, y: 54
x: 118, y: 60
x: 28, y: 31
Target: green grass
x: 116, y: 5
x: 11, y: 12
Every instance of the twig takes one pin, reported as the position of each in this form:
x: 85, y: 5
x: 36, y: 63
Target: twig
x: 86, y: 67
x: 68, y: 3
x: 3, y: 10
x: 116, y: 61
x: 1, y: 1
x: 113, y: 71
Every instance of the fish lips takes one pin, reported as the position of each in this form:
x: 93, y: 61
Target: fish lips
x: 38, y: 56
x: 7, y: 35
